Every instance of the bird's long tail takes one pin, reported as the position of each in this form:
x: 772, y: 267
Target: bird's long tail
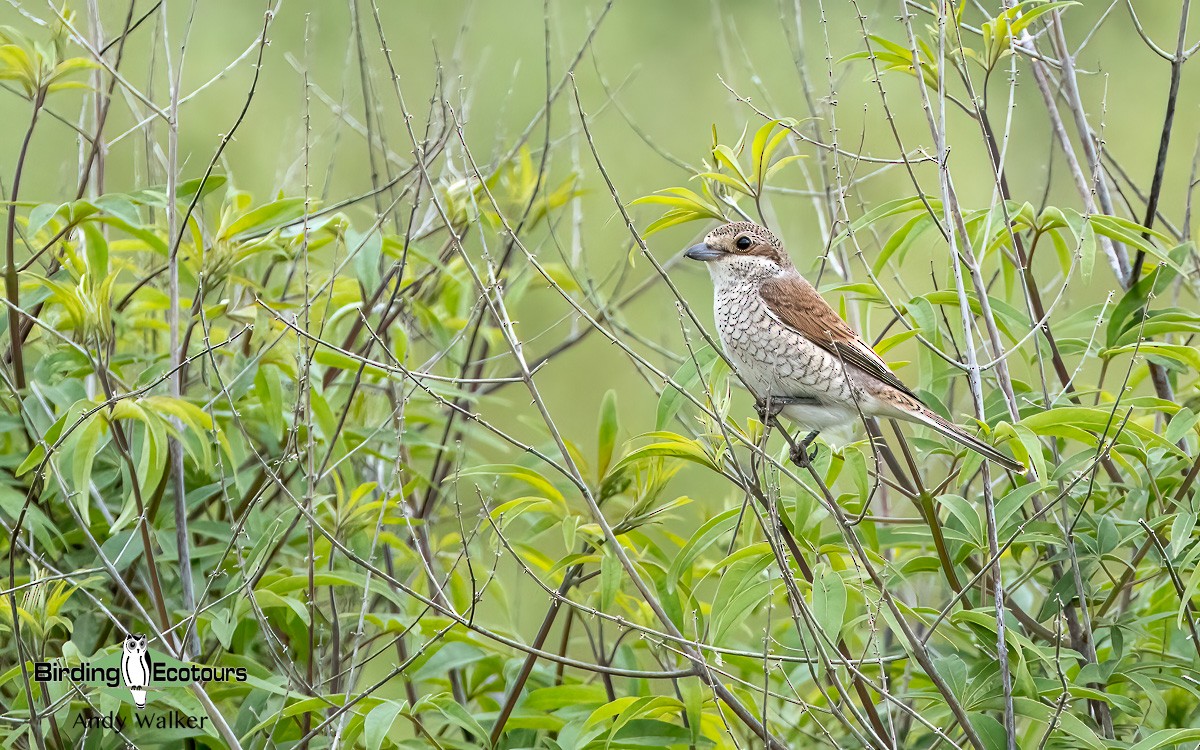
x: 964, y: 438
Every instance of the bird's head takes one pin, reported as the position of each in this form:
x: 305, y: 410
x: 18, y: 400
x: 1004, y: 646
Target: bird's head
x: 741, y: 248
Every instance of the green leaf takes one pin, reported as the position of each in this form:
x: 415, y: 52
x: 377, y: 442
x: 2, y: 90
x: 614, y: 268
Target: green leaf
x: 652, y: 733
x: 564, y: 696
x: 610, y: 580
x: 670, y: 219
x: 97, y: 252
x: 451, y: 709
x: 693, y: 702
x: 685, y: 205
x: 269, y: 390
x: 559, y: 275
x: 367, y: 249
x: 1087, y: 251
x: 630, y: 707
x: 1030, y: 14
x: 120, y: 206
x: 1167, y: 738
x: 1181, y: 532
x: 900, y: 239
x: 40, y: 216
x: 1130, y: 233
x: 184, y: 193
x: 1080, y: 422
x: 780, y: 164
x: 206, y: 186
x: 741, y: 591
x: 520, y: 473
x: 606, y: 438
x: 829, y: 601
x: 730, y: 182
x: 1181, y: 424
x: 990, y: 731
x: 726, y: 156
x: 1068, y: 723
x: 685, y: 378
x: 888, y: 209
x: 764, y: 145
x: 265, y: 218
x: 49, y: 438
x: 1186, y: 355
x: 84, y: 449
x: 705, y: 537
x: 378, y: 723
x: 676, y: 446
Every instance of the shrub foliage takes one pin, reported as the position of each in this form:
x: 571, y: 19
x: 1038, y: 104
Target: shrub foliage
x: 315, y: 440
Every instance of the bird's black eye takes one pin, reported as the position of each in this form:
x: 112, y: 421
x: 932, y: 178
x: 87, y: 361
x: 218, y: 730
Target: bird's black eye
x: 743, y: 243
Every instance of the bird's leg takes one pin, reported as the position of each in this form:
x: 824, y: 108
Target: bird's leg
x: 804, y: 452
x: 771, y: 406
x: 768, y: 408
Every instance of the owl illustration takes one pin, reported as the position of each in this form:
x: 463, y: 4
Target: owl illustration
x: 135, y: 667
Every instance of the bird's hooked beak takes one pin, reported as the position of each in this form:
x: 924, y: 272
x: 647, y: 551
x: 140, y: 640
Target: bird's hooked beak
x: 702, y: 252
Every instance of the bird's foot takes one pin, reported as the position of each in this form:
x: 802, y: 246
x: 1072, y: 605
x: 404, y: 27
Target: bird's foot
x: 805, y: 452
x: 771, y: 406
x: 768, y: 408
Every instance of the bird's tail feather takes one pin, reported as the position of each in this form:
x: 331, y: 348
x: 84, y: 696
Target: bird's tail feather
x: 965, y: 439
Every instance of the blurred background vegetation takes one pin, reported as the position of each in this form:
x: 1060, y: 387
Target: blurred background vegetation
x: 655, y: 73
x: 661, y: 83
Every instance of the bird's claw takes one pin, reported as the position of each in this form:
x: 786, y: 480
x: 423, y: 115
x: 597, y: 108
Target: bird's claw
x: 804, y: 452
x: 803, y: 455
x: 768, y: 408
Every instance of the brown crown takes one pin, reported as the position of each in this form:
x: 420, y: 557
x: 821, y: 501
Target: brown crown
x: 764, y: 242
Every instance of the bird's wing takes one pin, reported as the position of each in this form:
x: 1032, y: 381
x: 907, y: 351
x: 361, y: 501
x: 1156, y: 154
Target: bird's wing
x: 799, y: 306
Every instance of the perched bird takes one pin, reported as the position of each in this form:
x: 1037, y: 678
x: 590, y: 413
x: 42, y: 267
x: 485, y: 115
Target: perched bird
x: 797, y: 355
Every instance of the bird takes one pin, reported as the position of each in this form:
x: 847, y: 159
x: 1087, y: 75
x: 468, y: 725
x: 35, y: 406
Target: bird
x: 798, y: 357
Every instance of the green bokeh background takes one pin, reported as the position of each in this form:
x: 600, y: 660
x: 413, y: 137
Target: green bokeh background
x: 665, y: 63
